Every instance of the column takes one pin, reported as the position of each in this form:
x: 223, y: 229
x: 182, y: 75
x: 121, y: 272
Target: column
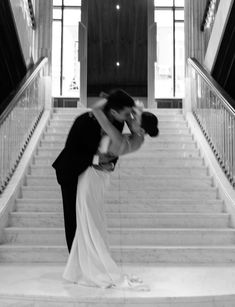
x: 43, y: 41
x: 83, y: 53
x: 151, y: 54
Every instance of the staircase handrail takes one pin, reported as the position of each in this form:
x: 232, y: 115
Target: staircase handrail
x: 213, y: 109
x: 23, y: 85
x: 24, y: 108
x: 220, y: 92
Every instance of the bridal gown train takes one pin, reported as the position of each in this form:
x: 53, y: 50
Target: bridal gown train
x: 90, y: 262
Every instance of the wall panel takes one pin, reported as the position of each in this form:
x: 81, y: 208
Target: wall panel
x: 117, y: 36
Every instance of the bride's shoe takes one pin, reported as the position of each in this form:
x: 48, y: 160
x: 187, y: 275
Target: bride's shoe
x: 136, y: 279
x: 110, y: 286
x: 135, y: 284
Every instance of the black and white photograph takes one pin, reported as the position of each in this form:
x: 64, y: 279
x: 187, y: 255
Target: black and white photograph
x: 117, y: 153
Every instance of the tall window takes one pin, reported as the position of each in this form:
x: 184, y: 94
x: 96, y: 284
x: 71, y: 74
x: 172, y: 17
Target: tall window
x: 65, y: 64
x: 169, y: 66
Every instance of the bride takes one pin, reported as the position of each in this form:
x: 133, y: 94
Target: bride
x: 90, y: 262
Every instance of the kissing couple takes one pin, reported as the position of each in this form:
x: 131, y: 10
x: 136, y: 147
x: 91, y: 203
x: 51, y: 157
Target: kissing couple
x: 83, y: 170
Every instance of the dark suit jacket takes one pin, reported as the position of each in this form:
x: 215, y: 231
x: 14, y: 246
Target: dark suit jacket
x: 80, y: 147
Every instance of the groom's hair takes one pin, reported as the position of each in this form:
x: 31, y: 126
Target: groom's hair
x: 118, y: 100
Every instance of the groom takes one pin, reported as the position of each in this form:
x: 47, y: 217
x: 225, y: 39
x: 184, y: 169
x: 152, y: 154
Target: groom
x: 80, y: 147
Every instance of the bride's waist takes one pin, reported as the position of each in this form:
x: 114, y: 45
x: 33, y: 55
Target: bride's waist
x: 109, y: 167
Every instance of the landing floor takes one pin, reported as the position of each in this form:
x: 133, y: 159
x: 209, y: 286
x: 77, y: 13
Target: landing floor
x: 41, y: 285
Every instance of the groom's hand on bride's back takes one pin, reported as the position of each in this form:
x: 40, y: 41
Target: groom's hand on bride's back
x: 105, y: 158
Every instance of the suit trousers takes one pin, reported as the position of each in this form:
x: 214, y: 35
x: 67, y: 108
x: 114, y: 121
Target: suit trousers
x: 69, y: 193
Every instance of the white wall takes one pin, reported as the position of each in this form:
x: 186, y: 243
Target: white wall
x: 25, y: 32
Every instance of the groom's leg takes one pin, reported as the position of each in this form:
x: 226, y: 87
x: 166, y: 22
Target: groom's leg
x: 69, y: 204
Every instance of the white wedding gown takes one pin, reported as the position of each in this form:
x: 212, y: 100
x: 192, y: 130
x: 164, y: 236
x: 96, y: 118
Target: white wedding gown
x: 90, y: 262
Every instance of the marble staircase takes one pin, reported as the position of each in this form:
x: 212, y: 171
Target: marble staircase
x: 161, y: 206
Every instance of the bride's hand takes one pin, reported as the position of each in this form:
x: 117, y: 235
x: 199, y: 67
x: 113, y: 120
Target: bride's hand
x: 139, y: 105
x: 137, y: 111
x: 136, y: 114
x: 134, y: 124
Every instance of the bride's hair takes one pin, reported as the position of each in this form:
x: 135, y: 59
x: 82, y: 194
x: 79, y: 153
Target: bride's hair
x: 118, y: 100
x: 149, y: 123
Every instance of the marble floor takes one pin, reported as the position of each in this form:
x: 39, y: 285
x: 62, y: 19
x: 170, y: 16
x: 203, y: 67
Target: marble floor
x: 171, y: 285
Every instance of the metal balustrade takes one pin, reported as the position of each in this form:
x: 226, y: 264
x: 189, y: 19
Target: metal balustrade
x: 212, y: 107
x: 19, y: 120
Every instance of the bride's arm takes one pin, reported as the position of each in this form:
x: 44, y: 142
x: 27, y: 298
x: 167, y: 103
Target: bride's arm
x: 121, y: 144
x: 108, y: 127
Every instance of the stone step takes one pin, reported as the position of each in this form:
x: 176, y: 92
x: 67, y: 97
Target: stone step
x: 133, y: 163
x: 163, y: 125
x: 141, y: 154
x: 149, y: 142
x: 144, y: 182
x: 32, y: 254
x: 131, y: 220
x: 174, y: 254
x: 146, y: 148
x: 35, y: 236
x: 163, y: 118
x: 161, y: 170
x: 78, y: 110
x: 163, y: 193
x: 38, y: 192
x: 159, y: 206
x: 160, y: 111
x: 71, y: 117
x: 138, y: 171
x: 128, y: 254
x: 163, y: 129
x: 165, y: 111
x: 47, y: 145
x: 63, y: 131
x: 165, y: 237
x: 162, y: 137
x: 162, y: 121
x: 128, y: 236
x: 153, y: 110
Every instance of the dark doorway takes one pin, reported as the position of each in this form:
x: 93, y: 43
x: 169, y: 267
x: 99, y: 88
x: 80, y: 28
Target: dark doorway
x: 12, y: 63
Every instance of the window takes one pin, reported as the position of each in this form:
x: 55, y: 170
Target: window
x: 56, y: 58
x: 164, y: 64
x: 65, y: 63
x: 163, y: 3
x: 72, y: 2
x: 179, y: 3
x: 169, y: 66
x: 179, y: 59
